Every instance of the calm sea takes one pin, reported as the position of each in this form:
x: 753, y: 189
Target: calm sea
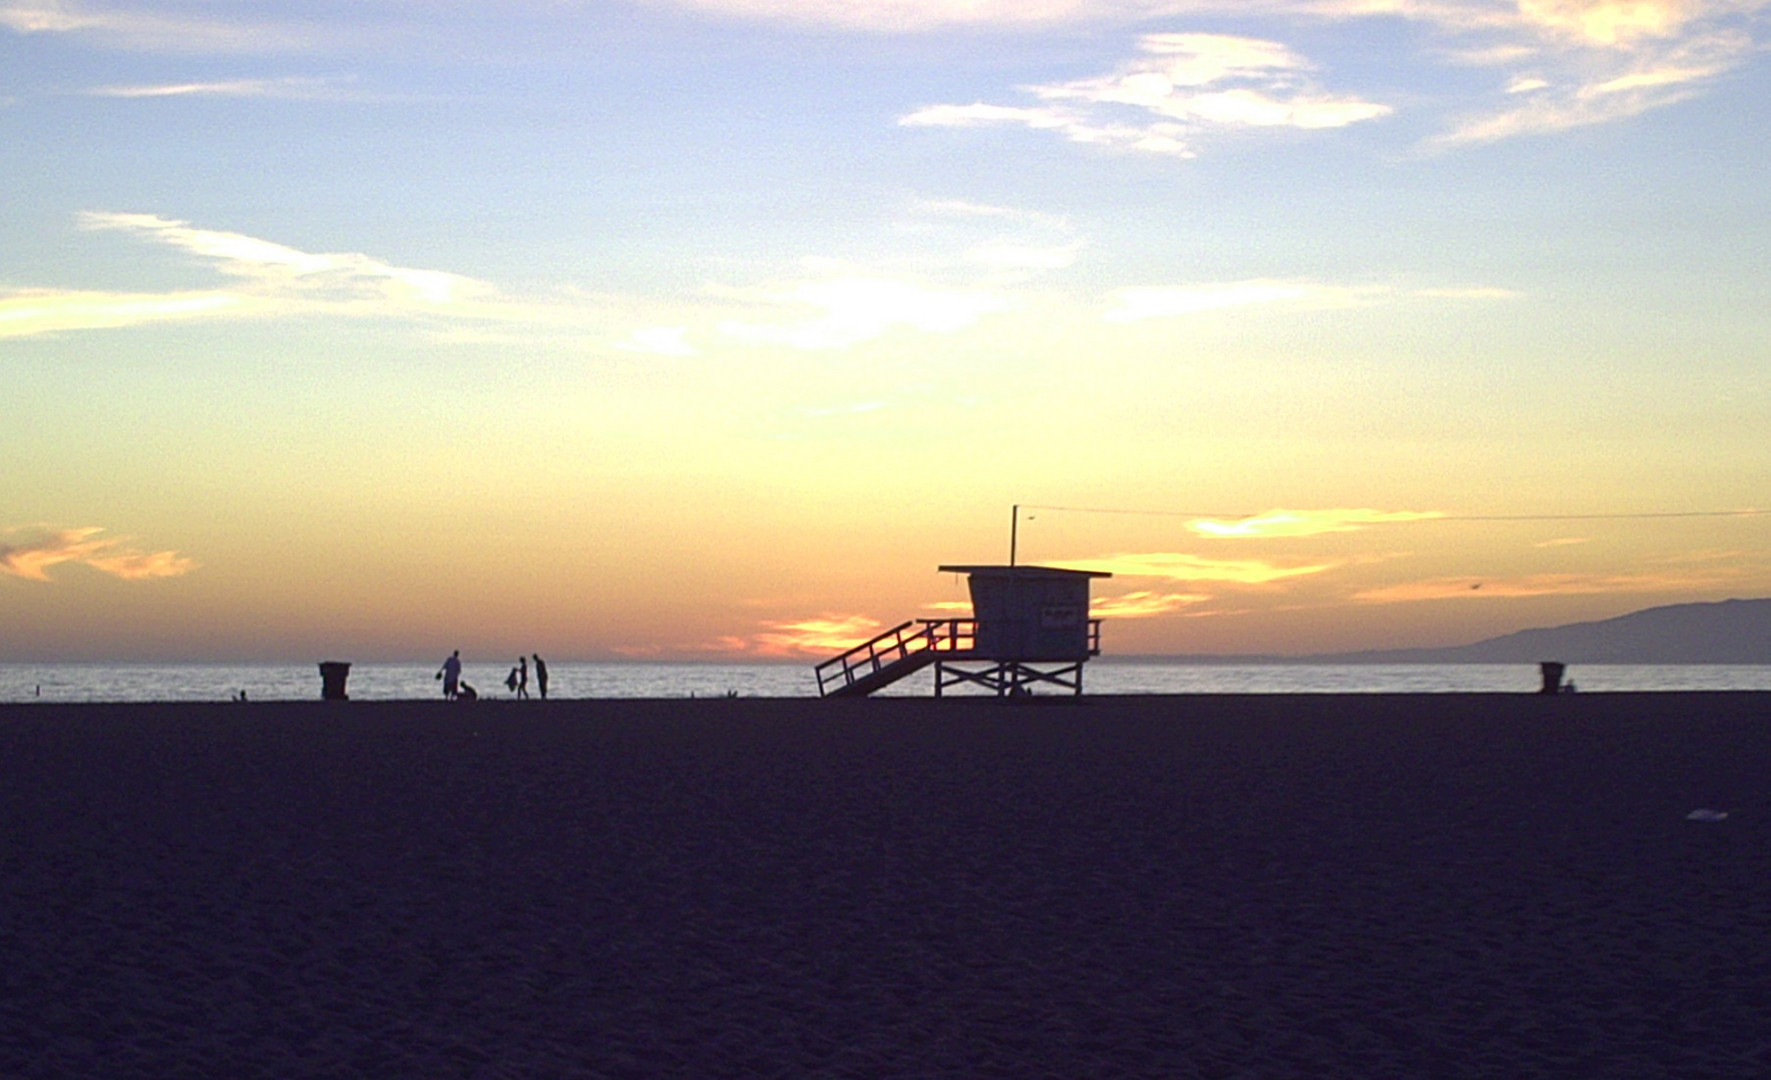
x: 286, y: 682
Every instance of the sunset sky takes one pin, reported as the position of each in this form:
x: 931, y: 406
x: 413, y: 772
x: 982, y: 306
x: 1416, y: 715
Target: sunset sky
x: 708, y: 329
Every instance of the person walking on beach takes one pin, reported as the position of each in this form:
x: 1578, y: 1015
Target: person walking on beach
x: 522, y: 677
x: 451, y: 675
x: 541, y: 675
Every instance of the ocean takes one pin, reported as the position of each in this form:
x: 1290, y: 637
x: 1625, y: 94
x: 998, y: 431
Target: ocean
x: 92, y: 682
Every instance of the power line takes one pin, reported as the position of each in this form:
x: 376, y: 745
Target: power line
x: 1425, y: 519
x: 1604, y: 517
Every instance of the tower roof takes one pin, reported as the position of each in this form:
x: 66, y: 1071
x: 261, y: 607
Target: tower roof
x: 1023, y: 572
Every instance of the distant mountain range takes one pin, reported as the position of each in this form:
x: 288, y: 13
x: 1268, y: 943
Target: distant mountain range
x: 1725, y: 632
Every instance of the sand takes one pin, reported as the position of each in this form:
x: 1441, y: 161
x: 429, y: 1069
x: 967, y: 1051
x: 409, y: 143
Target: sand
x: 1375, y: 886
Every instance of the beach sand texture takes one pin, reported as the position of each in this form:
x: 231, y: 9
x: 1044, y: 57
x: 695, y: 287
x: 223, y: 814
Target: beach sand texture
x: 1373, y: 886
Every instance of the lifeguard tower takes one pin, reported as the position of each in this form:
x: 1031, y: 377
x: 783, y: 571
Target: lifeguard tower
x: 1029, y: 625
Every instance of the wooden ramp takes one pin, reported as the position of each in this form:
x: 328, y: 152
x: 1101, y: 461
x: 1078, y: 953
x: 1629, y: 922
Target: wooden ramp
x: 903, y: 650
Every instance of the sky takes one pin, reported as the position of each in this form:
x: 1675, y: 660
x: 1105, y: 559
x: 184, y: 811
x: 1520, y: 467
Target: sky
x: 709, y: 329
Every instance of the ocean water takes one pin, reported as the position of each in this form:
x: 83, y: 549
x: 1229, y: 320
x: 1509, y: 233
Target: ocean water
x: 21, y: 682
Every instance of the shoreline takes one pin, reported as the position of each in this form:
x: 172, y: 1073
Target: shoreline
x: 1103, y: 701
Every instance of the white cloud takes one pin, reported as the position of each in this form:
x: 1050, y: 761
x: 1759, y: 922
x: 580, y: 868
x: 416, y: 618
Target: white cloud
x: 659, y: 341
x: 342, y: 276
x: 962, y: 208
x: 1581, y: 62
x: 272, y: 279
x: 1184, y: 86
x: 1602, y: 21
x: 849, y: 310
x: 1601, y: 86
x: 45, y: 311
x: 900, y: 16
x: 292, y: 88
x: 1614, y: 22
x: 979, y: 114
x: 832, y: 305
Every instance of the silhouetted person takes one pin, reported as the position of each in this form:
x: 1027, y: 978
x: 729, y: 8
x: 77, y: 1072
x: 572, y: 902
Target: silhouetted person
x: 467, y: 693
x: 522, y: 677
x: 541, y: 675
x: 451, y: 675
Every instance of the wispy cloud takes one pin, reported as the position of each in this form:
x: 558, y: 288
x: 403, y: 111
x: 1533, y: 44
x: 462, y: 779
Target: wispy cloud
x: 269, y: 279
x: 1180, y: 566
x: 27, y: 312
x: 843, y: 311
x: 1180, y: 88
x: 30, y: 551
x: 341, y: 277
x: 815, y: 636
x: 295, y: 88
x: 1533, y: 585
x: 1295, y: 523
x: 1599, y: 81
x: 1142, y: 604
x: 159, y: 27
x: 1139, y: 303
x: 1564, y: 63
x: 964, y: 208
x: 914, y: 16
x: 987, y: 246
x: 658, y: 341
x: 812, y: 636
x: 833, y: 306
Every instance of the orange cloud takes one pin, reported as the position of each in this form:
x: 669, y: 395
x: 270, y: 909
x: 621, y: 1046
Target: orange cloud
x: 1142, y: 605
x: 41, y: 549
x: 1289, y: 523
x: 1177, y: 566
x: 824, y: 632
x: 820, y: 636
x: 1471, y: 588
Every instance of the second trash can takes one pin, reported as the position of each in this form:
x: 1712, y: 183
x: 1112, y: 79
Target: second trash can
x: 333, y: 673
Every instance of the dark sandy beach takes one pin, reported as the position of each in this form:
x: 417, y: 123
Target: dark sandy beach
x: 1383, y: 886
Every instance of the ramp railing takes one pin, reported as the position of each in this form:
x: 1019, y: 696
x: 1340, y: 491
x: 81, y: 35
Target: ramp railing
x: 897, y: 652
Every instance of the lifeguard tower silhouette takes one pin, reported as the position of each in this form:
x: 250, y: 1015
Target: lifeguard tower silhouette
x: 1029, y: 625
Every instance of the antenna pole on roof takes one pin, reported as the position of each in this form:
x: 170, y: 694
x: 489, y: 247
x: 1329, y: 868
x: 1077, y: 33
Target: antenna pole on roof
x: 1014, y: 526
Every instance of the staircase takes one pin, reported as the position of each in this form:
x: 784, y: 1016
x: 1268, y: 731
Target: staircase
x: 903, y: 650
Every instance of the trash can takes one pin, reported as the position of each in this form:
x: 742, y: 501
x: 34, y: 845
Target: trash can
x: 1552, y: 676
x: 333, y: 673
